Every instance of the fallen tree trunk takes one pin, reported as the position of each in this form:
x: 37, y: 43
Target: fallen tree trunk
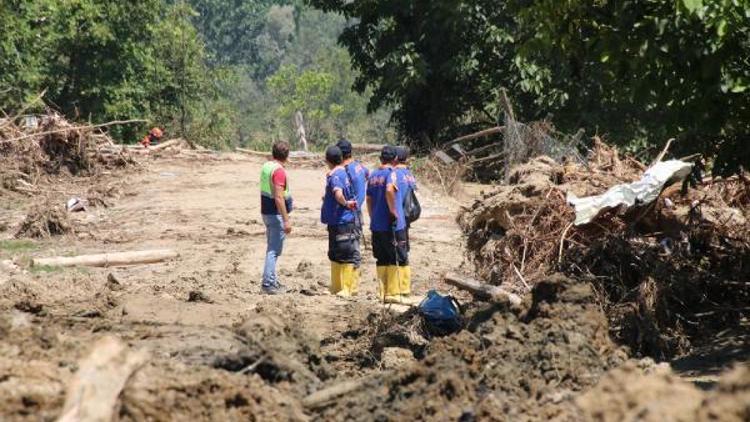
x: 167, y: 144
x: 366, y: 148
x: 251, y: 152
x: 109, y: 259
x: 94, y: 390
x: 487, y: 132
x: 483, y: 290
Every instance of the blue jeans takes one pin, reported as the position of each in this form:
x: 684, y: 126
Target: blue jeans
x: 275, y: 244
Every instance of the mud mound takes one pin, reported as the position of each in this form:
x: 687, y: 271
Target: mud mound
x: 503, y: 364
x: 279, y: 350
x: 44, y: 221
x: 169, y: 392
x: 630, y: 393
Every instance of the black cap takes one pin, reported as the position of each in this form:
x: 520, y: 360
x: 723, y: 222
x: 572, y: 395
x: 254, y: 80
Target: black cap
x: 402, y: 152
x: 388, y: 154
x: 333, y: 155
x: 345, y: 146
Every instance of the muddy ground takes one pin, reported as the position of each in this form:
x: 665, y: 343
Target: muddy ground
x: 221, y: 350
x: 189, y: 312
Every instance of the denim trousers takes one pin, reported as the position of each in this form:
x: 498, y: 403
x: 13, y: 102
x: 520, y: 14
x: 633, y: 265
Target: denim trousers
x: 274, y: 245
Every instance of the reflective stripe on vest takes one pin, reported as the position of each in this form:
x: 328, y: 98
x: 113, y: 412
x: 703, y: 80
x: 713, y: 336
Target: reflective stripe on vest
x: 266, y: 174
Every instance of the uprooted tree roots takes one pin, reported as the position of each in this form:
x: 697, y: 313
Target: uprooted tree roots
x: 667, y: 274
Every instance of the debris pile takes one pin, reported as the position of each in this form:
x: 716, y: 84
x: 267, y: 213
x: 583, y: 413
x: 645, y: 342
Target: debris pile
x: 667, y: 272
x: 51, y: 147
x: 45, y: 221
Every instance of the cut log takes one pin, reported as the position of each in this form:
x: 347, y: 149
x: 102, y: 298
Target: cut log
x: 93, y: 392
x: 483, y: 290
x: 358, y: 149
x: 109, y: 259
x: 168, y: 144
x: 481, y: 133
x: 263, y: 154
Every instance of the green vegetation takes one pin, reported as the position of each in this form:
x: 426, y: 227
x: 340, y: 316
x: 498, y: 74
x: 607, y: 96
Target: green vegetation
x: 199, y: 68
x: 44, y: 269
x: 226, y: 73
x: 640, y: 71
x: 17, y: 246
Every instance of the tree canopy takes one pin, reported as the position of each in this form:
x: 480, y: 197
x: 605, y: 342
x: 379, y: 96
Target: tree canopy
x: 639, y: 70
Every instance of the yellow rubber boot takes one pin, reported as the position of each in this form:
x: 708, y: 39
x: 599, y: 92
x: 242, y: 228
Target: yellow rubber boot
x: 347, y: 279
x: 382, y: 274
x: 392, y: 285
x: 335, y: 277
x: 354, y: 288
x: 404, y: 280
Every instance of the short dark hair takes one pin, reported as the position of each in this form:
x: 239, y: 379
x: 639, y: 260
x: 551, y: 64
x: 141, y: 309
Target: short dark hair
x: 333, y: 155
x: 280, y: 150
x: 346, y: 148
x: 402, y: 152
x: 388, y: 154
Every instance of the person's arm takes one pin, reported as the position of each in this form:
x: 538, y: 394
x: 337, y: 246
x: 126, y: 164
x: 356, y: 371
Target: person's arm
x: 278, y: 196
x: 369, y: 205
x: 390, y: 198
x: 338, y: 193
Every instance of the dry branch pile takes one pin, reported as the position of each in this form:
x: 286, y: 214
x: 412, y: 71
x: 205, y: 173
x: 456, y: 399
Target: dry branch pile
x: 665, y: 272
x: 53, y: 147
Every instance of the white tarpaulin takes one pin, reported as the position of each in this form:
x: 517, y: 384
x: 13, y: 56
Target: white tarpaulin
x: 642, y: 192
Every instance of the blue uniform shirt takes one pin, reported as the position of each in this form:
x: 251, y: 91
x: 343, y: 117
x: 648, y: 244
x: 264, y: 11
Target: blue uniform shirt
x: 359, y: 175
x: 332, y: 213
x: 405, y: 180
x: 380, y: 219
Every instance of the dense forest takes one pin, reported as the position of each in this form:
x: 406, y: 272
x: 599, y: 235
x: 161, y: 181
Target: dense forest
x: 233, y: 72
x: 220, y: 72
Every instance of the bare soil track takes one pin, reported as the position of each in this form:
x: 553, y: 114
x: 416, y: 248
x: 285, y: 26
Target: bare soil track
x: 202, y: 317
x: 221, y: 350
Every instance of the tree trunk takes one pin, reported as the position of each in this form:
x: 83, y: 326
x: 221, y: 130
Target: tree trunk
x: 299, y: 125
x: 108, y: 260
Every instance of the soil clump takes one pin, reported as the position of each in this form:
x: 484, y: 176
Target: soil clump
x: 503, y: 366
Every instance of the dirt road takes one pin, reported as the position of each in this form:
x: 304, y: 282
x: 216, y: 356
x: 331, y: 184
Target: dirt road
x: 185, y: 312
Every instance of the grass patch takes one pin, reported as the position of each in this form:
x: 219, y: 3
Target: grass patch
x: 45, y: 269
x: 16, y: 246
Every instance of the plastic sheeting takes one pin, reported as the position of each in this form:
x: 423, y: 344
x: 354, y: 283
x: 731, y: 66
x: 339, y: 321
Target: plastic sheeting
x: 642, y: 192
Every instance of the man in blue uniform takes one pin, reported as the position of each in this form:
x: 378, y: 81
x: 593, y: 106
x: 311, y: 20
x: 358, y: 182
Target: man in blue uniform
x: 406, y: 183
x: 339, y: 214
x: 358, y: 175
x: 388, y: 226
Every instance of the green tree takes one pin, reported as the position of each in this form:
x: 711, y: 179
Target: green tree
x: 636, y: 69
x: 310, y: 93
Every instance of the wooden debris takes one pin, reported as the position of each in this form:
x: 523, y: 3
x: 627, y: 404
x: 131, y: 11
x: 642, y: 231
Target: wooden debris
x: 483, y: 290
x: 109, y: 259
x: 94, y: 390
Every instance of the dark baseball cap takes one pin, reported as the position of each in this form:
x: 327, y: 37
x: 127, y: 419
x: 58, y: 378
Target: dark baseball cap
x: 402, y: 152
x: 388, y: 154
x: 345, y: 146
x: 333, y: 155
